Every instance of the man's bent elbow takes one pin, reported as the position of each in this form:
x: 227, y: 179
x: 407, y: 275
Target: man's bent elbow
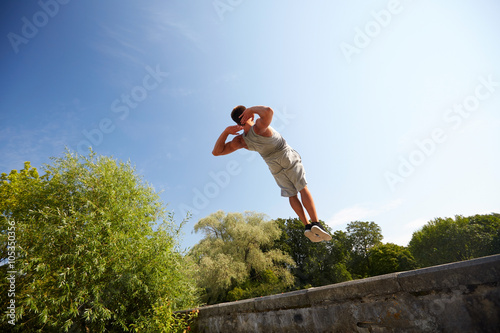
x: 218, y: 152
x: 269, y: 113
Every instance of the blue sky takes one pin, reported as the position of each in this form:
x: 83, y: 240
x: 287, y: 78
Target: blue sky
x: 393, y: 105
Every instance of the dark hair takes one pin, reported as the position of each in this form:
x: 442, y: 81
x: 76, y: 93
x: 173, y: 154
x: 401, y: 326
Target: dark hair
x: 236, y: 113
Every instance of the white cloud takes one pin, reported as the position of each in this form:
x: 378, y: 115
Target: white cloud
x: 165, y: 21
x: 349, y: 214
x: 416, y: 224
x: 36, y: 143
x: 402, y: 235
x: 361, y: 212
x: 118, y: 43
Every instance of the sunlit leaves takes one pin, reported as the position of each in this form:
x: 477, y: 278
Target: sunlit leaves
x: 445, y: 240
x: 236, y: 252
x: 95, y: 247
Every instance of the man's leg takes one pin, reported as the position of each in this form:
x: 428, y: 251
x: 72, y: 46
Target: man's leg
x: 316, y: 227
x: 299, y: 210
x: 308, y: 203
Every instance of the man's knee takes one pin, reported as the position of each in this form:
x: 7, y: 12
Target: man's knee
x: 304, y: 190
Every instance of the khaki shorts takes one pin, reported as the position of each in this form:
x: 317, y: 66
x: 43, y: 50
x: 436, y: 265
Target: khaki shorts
x: 288, y: 172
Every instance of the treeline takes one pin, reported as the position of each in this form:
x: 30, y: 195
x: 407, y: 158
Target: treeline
x: 244, y: 255
x: 88, y: 246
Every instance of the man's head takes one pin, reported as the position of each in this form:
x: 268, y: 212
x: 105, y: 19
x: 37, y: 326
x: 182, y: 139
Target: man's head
x: 236, y: 113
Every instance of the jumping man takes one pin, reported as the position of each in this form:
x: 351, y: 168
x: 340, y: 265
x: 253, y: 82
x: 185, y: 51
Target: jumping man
x: 284, y: 163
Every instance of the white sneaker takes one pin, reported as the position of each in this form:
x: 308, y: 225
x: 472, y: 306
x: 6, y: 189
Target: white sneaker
x: 320, y: 231
x: 311, y: 235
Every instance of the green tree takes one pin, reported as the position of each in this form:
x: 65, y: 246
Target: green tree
x: 95, y: 250
x: 317, y: 264
x: 487, y: 229
x: 445, y: 240
x: 495, y: 242
x: 362, y: 236
x: 390, y: 258
x: 235, y: 259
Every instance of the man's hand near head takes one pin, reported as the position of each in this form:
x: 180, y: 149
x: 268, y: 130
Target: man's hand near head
x: 233, y: 130
x: 265, y: 114
x: 223, y: 148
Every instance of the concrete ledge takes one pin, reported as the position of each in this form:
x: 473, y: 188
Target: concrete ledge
x: 457, y: 297
x: 471, y: 272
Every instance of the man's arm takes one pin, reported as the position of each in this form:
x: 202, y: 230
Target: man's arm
x: 265, y: 114
x: 223, y: 148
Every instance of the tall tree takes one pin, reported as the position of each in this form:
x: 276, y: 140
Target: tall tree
x: 95, y: 249
x: 235, y: 259
x: 362, y: 236
x: 445, y: 240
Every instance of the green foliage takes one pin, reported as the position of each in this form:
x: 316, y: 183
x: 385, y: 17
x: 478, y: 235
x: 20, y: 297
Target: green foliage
x: 362, y: 236
x: 163, y: 319
x: 95, y: 248
x: 390, y: 258
x: 445, y: 240
x: 264, y: 283
x: 235, y: 259
x: 317, y: 264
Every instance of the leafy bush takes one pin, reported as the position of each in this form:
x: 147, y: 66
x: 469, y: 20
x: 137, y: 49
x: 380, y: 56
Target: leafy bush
x: 95, y: 249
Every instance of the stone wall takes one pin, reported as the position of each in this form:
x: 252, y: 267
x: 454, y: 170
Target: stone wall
x: 458, y: 297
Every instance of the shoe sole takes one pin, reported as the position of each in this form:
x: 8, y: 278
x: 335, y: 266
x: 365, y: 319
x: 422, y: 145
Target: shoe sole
x: 312, y: 236
x: 321, y: 233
